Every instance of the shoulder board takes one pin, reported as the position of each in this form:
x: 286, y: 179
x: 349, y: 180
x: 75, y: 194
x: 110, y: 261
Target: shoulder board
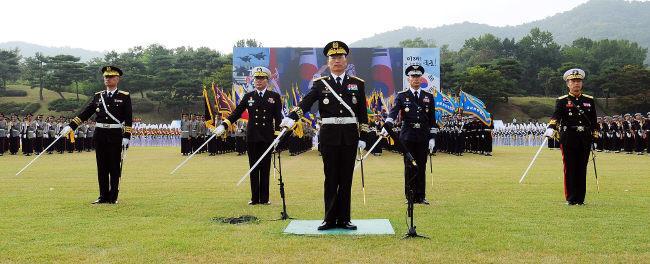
x: 403, y: 91
x: 588, y: 96
x: 123, y: 92
x: 99, y: 92
x: 564, y: 96
x: 357, y: 78
x: 320, y: 78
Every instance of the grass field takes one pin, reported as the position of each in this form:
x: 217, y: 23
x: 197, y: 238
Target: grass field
x: 479, y: 213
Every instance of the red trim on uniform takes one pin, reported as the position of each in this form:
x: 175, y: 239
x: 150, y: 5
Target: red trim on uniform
x: 564, y: 171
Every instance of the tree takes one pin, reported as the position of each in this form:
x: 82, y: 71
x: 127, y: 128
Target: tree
x: 417, y: 43
x: 62, y: 71
x: 251, y: 43
x: 33, y: 71
x: 484, y: 83
x: 9, y: 67
x: 535, y: 51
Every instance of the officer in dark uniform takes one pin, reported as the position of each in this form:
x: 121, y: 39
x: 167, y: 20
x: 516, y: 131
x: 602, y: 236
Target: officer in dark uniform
x: 4, y: 131
x: 417, y: 111
x: 264, y: 107
x: 113, y: 114
x: 575, y: 118
x: 342, y: 125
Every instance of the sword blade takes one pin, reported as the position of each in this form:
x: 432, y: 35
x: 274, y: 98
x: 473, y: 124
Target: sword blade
x: 533, y: 161
x: 39, y: 155
x: 193, y: 153
x: 275, y: 142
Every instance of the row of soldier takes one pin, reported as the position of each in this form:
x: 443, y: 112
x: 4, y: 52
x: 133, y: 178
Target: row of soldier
x: 627, y: 134
x: 32, y: 135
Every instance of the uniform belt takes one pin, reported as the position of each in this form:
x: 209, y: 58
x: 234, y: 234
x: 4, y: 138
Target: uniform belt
x: 576, y: 128
x: 339, y: 120
x: 102, y: 125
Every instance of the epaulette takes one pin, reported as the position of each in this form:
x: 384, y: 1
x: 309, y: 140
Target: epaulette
x: 564, y: 96
x: 320, y: 78
x: 99, y: 92
x: 588, y: 96
x: 123, y: 92
x: 403, y: 91
x: 358, y: 78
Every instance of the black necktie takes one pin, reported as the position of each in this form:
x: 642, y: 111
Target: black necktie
x: 338, y: 80
x: 416, y: 95
x: 261, y: 94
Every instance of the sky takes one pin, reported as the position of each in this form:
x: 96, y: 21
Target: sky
x: 122, y: 24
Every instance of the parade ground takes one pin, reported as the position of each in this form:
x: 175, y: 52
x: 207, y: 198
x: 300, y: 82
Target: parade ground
x: 478, y: 213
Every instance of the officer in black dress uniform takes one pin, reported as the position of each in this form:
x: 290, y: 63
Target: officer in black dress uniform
x: 417, y: 111
x: 340, y: 133
x: 264, y: 107
x: 113, y: 114
x: 575, y: 118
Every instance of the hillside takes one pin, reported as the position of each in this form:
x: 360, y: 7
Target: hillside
x: 29, y: 49
x: 596, y: 19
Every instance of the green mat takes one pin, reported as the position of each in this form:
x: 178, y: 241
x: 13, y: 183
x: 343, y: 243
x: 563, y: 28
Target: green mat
x: 364, y: 227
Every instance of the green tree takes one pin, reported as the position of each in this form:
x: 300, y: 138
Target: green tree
x: 536, y: 51
x: 33, y: 71
x: 417, y: 43
x: 9, y: 67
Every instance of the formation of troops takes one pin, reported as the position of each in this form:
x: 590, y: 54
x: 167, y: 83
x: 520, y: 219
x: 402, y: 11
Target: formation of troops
x: 31, y: 135
x: 624, y: 134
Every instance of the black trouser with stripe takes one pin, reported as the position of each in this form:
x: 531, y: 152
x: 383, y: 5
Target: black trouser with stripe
x: 259, y: 177
x: 575, y: 156
x: 338, y: 165
x: 108, y: 151
x: 416, y: 178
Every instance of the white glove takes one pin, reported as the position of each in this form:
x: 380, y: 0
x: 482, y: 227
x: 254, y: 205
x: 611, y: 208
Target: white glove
x: 218, y: 130
x: 125, y: 143
x: 432, y: 144
x: 434, y: 130
x: 65, y: 131
x: 287, y: 122
x: 383, y: 132
x: 549, y: 132
x: 361, y: 144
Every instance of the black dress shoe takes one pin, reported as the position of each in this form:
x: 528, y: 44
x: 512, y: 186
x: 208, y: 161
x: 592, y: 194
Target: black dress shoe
x: 570, y: 203
x: 347, y: 225
x: 252, y: 203
x: 326, y: 226
x: 265, y: 203
x: 99, y: 201
x: 424, y: 201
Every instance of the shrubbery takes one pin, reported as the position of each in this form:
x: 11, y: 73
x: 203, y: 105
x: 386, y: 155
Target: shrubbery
x: 19, y: 108
x: 142, y: 105
x: 62, y: 105
x: 13, y: 93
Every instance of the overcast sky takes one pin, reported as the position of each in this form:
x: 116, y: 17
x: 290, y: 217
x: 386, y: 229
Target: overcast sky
x: 121, y: 24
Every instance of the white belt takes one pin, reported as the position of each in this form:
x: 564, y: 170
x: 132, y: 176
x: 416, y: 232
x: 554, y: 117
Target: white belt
x: 339, y: 120
x: 102, y: 125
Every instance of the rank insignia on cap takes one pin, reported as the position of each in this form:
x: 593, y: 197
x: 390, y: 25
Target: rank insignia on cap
x: 574, y: 74
x: 336, y: 48
x: 414, y: 70
x: 111, y: 71
x: 261, y: 72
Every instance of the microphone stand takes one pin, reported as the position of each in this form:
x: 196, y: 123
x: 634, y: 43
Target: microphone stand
x: 278, y: 150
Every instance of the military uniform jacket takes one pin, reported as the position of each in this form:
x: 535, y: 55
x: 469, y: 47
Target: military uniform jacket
x: 91, y: 131
x: 185, y: 128
x: 31, y: 129
x: 40, y: 127
x: 4, y: 128
x: 15, y: 129
x: 119, y: 106
x: 262, y: 112
x: 194, y: 128
x: 352, y: 91
x: 575, y: 114
x: 417, y: 115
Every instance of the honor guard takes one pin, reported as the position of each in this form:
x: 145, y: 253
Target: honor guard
x: 4, y: 131
x: 575, y: 120
x: 341, y: 102
x: 416, y: 109
x: 186, y: 147
x: 264, y: 116
x: 113, y: 114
